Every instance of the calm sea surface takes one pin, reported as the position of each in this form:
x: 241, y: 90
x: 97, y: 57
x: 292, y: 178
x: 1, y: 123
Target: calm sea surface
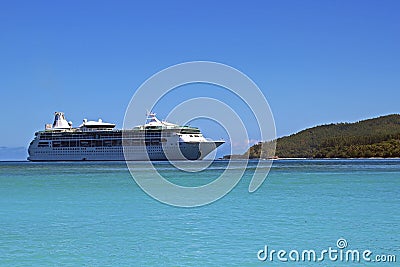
x: 94, y: 214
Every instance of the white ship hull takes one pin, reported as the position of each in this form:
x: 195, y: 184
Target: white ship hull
x: 182, y: 151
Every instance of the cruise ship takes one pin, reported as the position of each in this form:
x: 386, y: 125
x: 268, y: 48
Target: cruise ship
x: 100, y: 141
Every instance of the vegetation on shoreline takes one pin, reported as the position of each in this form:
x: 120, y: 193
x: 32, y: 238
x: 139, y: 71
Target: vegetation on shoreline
x: 377, y: 137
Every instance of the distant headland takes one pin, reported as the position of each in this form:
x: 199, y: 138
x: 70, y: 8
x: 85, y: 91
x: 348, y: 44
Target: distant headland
x: 377, y: 137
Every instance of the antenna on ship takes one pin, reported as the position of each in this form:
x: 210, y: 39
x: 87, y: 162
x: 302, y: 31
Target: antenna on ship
x: 150, y: 114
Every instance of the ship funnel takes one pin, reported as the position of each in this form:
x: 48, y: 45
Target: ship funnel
x: 60, y: 122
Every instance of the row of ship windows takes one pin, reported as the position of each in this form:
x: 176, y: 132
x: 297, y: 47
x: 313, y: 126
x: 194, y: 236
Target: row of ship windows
x: 101, y: 136
x: 68, y: 136
x: 74, y: 152
x: 80, y: 150
x: 99, y: 149
x: 100, y: 143
x: 93, y: 152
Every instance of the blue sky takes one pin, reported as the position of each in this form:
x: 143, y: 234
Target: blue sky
x: 315, y: 61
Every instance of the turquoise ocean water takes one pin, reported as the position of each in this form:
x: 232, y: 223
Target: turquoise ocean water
x: 94, y: 214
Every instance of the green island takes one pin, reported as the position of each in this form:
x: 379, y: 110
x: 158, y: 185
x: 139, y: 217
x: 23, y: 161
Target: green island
x: 377, y: 137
